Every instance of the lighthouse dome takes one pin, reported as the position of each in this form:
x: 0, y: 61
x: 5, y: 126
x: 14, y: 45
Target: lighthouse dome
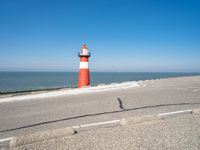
x: 84, y: 51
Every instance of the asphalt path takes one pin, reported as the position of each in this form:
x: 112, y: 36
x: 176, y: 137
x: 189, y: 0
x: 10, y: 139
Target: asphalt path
x: 151, y: 97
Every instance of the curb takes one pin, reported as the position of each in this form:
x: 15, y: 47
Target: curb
x: 68, y: 131
x: 141, y: 119
x: 106, y: 124
x: 38, y: 136
x: 175, y: 113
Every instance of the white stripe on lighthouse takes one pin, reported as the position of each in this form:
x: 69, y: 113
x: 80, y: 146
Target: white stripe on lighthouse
x: 83, y: 65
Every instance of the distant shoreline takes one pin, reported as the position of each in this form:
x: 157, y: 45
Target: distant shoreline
x: 70, y: 92
x: 34, y: 90
x: 38, y: 90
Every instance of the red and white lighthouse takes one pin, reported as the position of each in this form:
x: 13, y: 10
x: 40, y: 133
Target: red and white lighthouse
x: 84, y: 74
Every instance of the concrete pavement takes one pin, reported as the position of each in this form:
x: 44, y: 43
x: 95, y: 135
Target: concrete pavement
x: 156, y: 96
x: 176, y: 133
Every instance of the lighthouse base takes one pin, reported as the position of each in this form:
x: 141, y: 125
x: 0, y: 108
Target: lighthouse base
x: 84, y: 78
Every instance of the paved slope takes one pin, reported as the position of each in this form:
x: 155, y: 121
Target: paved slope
x: 156, y: 97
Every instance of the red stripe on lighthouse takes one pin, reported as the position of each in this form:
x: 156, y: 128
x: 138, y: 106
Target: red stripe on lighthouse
x: 83, y: 59
x: 84, y: 75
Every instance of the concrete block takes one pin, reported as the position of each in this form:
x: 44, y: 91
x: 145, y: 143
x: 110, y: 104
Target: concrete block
x: 141, y: 119
x: 92, y: 126
x: 196, y: 111
x: 172, y: 114
x: 40, y: 136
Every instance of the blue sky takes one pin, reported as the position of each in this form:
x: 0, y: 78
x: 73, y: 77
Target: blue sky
x: 122, y: 35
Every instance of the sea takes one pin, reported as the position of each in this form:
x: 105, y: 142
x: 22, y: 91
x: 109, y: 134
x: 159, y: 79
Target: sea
x: 30, y: 81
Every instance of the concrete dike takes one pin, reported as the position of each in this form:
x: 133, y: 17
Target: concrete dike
x: 33, y: 118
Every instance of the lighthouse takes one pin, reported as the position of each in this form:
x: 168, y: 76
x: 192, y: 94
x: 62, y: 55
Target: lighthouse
x: 84, y: 74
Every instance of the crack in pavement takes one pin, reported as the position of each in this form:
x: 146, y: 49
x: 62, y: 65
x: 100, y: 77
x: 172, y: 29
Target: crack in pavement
x: 96, y: 114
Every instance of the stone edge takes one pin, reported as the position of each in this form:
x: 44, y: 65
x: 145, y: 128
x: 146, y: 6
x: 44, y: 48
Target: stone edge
x: 12, y: 142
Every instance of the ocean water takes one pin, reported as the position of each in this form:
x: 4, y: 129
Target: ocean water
x: 24, y: 81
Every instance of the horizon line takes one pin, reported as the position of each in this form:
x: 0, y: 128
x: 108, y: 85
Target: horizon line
x: 105, y: 71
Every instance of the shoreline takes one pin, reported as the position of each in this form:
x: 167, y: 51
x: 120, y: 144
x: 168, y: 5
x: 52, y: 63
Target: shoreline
x: 36, y: 91
x: 70, y: 92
